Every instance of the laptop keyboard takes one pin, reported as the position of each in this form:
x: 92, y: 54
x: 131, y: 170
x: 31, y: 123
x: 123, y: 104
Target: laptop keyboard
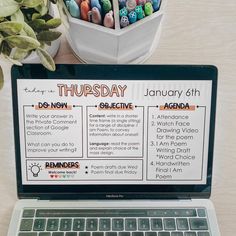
x: 114, y: 222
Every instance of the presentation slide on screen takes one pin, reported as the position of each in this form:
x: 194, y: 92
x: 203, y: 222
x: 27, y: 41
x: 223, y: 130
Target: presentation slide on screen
x: 114, y: 132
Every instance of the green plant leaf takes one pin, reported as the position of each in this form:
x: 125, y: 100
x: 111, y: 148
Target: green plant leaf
x: 11, y: 27
x: 31, y: 3
x: 1, y: 38
x: 48, y: 36
x: 53, y: 23
x: 38, y: 24
x: 18, y: 16
x: 36, y: 16
x: 29, y: 31
x: 8, y: 7
x: 46, y: 59
x: 5, y: 49
x: 47, y: 17
x: 42, y: 9
x: 20, y: 54
x: 1, y: 78
x: 48, y: 43
x: 13, y: 61
x: 22, y: 42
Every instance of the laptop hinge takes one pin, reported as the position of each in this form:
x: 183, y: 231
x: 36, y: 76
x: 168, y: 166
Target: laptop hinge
x: 29, y: 200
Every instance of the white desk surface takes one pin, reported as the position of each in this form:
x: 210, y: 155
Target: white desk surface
x: 194, y: 32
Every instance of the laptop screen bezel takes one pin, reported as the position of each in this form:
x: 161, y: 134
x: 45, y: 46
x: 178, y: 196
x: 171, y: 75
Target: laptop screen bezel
x: 115, y: 72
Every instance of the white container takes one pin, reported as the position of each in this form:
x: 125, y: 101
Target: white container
x: 94, y: 43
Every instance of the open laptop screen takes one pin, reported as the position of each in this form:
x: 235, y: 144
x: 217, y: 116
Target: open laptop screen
x: 121, y: 127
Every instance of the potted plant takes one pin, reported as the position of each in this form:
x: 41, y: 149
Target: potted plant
x: 27, y: 27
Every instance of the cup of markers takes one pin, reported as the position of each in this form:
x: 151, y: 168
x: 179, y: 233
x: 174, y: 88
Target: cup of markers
x: 95, y: 11
x: 131, y: 11
x: 112, y: 31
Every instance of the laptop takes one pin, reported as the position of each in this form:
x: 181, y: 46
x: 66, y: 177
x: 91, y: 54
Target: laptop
x: 114, y: 150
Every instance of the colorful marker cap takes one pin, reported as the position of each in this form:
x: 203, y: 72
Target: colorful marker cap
x: 148, y: 9
x: 96, y: 3
x: 123, y: 12
x: 156, y: 4
x: 130, y: 5
x: 78, y: 2
x: 95, y: 16
x: 122, y: 3
x: 132, y: 17
x: 73, y: 9
x: 140, y: 13
x: 84, y: 9
x: 124, y: 21
x: 106, y: 6
x: 141, y: 2
x: 109, y: 20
